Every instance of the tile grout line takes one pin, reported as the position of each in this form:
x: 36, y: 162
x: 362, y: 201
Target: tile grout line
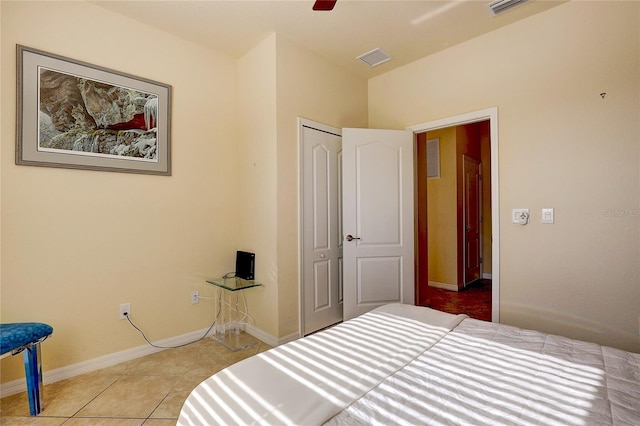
x: 160, y: 403
x: 168, y: 415
x: 93, y: 399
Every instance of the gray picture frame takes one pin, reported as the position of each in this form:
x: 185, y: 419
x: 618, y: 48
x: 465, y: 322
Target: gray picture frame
x: 72, y: 114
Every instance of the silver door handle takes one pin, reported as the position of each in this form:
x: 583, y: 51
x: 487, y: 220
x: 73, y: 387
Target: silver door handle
x: 351, y: 238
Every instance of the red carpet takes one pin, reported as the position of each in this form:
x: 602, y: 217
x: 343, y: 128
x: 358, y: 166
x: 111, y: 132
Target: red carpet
x: 474, y: 300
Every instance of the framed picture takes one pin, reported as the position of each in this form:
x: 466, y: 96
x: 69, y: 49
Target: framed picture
x: 76, y: 115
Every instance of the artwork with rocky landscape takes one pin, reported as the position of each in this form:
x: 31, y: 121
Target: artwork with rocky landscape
x: 87, y: 117
x: 76, y: 115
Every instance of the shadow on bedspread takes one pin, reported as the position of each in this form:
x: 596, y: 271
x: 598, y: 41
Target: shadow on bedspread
x: 407, y: 365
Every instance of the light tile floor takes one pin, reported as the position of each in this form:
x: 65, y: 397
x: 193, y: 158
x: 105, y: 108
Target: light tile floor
x: 146, y: 391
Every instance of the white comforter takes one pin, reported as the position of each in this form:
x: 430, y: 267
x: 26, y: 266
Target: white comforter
x: 308, y: 381
x: 489, y: 374
x: 409, y: 365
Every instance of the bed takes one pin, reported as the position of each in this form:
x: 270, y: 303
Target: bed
x: 407, y: 365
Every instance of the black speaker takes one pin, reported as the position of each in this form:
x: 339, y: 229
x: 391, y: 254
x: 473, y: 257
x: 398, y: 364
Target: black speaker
x: 245, y: 265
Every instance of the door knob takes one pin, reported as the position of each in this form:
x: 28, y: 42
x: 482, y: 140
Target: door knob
x: 351, y: 238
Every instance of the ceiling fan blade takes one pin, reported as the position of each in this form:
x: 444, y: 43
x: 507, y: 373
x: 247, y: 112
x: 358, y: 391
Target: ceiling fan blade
x: 324, y: 4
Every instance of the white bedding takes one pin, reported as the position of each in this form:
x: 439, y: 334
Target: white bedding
x: 410, y: 365
x: 488, y: 374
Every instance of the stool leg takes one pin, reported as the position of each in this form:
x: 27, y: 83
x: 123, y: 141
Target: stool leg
x: 33, y: 372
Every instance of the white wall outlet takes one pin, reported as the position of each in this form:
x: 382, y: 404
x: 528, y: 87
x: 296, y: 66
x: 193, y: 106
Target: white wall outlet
x: 195, y: 297
x: 520, y: 216
x: 125, y: 309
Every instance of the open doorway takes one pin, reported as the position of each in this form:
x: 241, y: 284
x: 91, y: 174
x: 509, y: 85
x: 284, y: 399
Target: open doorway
x: 455, y: 212
x: 454, y: 250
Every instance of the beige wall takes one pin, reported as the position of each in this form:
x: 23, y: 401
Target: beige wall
x: 76, y: 244
x: 560, y: 145
x: 83, y: 242
x: 280, y: 81
x: 442, y: 212
x: 255, y: 207
x: 309, y: 87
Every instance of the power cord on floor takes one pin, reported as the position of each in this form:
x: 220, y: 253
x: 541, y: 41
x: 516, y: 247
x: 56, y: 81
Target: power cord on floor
x: 126, y: 314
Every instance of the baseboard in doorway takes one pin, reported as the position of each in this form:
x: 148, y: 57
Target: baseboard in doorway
x: 450, y: 287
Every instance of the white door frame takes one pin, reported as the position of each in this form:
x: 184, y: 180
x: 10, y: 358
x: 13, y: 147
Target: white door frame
x: 490, y: 114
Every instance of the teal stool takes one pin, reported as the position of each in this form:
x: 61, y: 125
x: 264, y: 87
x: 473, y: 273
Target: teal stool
x: 25, y: 337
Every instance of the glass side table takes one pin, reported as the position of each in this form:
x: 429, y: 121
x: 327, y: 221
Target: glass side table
x: 233, y: 312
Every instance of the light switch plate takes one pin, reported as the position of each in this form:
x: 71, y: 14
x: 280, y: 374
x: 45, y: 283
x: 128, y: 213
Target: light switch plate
x: 547, y: 216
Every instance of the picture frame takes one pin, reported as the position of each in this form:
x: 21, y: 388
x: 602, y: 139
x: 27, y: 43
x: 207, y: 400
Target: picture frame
x: 72, y: 114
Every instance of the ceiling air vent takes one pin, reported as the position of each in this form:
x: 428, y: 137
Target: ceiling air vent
x: 500, y: 6
x: 375, y: 57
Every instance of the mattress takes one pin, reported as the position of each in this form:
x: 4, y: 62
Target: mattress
x: 402, y: 364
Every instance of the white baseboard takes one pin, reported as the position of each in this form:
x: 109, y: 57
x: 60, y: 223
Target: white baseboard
x: 69, y: 371
x: 451, y: 287
x: 486, y: 276
x: 290, y: 338
x: 268, y: 338
x: 261, y: 335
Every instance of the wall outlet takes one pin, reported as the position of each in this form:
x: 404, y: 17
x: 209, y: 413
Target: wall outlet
x: 195, y: 297
x: 520, y: 216
x: 125, y: 309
